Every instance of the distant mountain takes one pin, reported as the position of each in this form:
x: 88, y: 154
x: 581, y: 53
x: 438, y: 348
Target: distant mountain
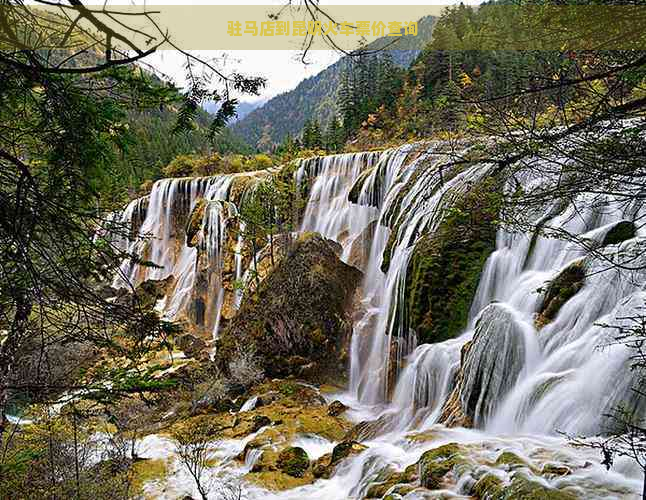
x: 316, y: 96
x: 243, y: 109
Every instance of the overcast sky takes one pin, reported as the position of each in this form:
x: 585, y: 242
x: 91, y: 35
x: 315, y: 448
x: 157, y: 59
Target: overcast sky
x: 282, y: 68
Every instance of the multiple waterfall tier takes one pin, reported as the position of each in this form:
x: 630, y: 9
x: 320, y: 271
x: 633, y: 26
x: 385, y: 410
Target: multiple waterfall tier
x: 514, y: 369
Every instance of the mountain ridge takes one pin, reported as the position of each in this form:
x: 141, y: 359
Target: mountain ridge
x: 315, y: 96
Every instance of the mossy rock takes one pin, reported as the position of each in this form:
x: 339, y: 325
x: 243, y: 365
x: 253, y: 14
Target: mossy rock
x: 488, y: 487
x: 367, y: 429
x: 437, y: 463
x: 523, y: 487
x: 145, y: 471
x: 277, y: 480
x: 357, y: 187
x: 620, y: 232
x: 444, y: 270
x: 192, y: 346
x: 336, y: 408
x: 293, y: 461
x: 321, y: 467
x: 393, y: 482
x: 345, y: 449
x: 147, y: 293
x: 324, y: 466
x: 510, y: 460
x: 555, y: 470
x: 561, y: 289
x: 301, y: 310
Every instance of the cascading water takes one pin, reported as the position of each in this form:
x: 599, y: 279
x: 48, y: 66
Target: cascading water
x: 557, y: 379
x: 516, y: 379
x: 568, y: 348
x: 162, y: 241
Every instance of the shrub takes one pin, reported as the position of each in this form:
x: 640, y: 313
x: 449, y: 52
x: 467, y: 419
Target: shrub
x: 244, y: 367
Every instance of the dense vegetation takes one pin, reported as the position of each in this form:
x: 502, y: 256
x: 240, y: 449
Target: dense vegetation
x: 150, y: 145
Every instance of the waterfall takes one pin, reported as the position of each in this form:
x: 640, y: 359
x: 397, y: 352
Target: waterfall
x: 512, y: 371
x: 162, y: 242
x: 378, y: 205
x: 544, y: 380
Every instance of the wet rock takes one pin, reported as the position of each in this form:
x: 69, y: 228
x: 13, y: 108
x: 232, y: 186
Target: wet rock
x: 488, y: 486
x: 490, y: 365
x: 345, y: 449
x: 369, y: 429
x: 293, y: 461
x: 259, y: 421
x: 444, y: 270
x: 147, y: 293
x: 321, y: 467
x: 359, y: 254
x: 555, y: 470
x: 194, y: 224
x: 510, y: 460
x: 391, y: 482
x: 336, y: 408
x: 357, y: 187
x: 453, y: 414
x: 434, y: 464
x: 267, y: 398
x: 303, y: 308
x: 324, y: 466
x: 561, y: 289
x: 620, y: 232
x: 523, y: 487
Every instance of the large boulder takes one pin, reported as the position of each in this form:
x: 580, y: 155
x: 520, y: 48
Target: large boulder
x: 491, y: 365
x: 298, y: 321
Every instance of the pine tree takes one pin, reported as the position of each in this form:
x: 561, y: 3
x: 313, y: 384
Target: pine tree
x: 316, y: 136
x: 346, y: 102
x: 307, y: 134
x: 334, y: 135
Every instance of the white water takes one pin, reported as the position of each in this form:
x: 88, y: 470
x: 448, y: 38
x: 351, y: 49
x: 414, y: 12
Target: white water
x: 533, y: 384
x: 563, y: 378
x: 162, y: 241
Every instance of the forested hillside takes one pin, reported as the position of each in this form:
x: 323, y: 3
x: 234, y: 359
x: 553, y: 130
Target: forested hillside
x: 151, y: 144
x: 317, y: 97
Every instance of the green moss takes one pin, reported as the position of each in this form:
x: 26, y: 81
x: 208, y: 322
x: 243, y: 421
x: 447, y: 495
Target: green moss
x: 194, y: 223
x: 301, y: 310
x: 622, y: 231
x: 522, y: 487
x: 510, y: 459
x: 277, y: 480
x: 346, y: 449
x: 445, y: 267
x: 437, y: 463
x: 555, y: 470
x: 488, y: 486
x: 293, y: 461
x: 357, y: 187
x: 560, y: 290
x: 145, y: 471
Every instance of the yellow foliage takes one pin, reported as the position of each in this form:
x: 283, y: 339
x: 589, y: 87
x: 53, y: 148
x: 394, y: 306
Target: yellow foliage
x: 465, y: 80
